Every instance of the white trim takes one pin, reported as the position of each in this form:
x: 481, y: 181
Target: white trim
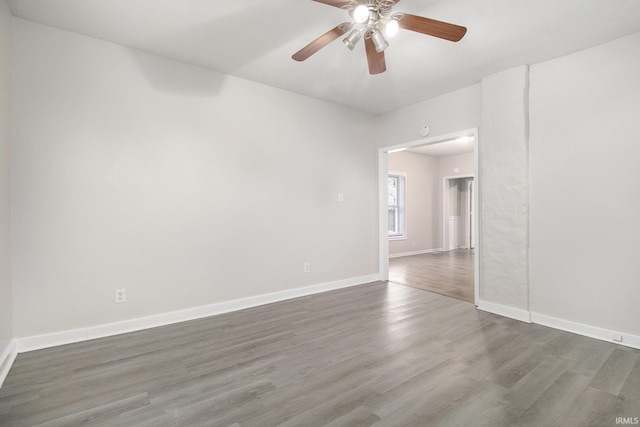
x: 505, y: 310
x: 76, y: 335
x: 22, y: 345
x: 476, y: 217
x: 425, y: 251
x: 397, y: 173
x: 383, y: 213
x: 7, y: 359
x: 432, y: 140
x: 628, y: 340
x: 608, y: 335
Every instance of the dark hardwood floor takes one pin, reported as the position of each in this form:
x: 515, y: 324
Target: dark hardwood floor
x: 379, y: 354
x: 446, y: 273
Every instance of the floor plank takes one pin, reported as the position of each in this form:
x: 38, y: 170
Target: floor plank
x: 380, y: 354
x: 448, y: 273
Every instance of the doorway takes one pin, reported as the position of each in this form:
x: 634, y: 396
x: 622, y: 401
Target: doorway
x: 467, y: 195
x: 458, y: 227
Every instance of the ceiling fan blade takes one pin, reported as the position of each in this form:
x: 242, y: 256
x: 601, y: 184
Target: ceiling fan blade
x: 375, y: 59
x: 432, y: 27
x: 336, y: 3
x: 321, y: 42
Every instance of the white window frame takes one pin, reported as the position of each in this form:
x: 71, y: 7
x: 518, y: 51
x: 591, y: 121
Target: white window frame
x: 401, y: 208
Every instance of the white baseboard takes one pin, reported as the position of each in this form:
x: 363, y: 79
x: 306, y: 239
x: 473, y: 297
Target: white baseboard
x: 7, y: 359
x: 505, y: 310
x: 21, y: 345
x: 628, y: 340
x: 608, y: 335
x: 425, y: 251
x: 76, y: 335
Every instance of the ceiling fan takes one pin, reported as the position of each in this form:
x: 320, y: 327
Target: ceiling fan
x: 374, y: 21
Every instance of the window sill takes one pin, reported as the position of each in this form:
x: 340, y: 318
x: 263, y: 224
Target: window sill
x: 391, y: 238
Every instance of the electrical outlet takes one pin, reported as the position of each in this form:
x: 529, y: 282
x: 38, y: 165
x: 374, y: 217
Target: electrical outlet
x: 307, y: 267
x: 340, y: 197
x: 121, y: 296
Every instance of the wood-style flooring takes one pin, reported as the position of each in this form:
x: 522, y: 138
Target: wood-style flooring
x: 448, y: 273
x: 380, y: 354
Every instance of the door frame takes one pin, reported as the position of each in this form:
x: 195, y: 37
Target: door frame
x: 383, y: 220
x: 471, y: 189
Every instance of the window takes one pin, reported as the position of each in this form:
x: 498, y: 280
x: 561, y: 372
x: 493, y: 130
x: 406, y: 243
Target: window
x: 397, y: 205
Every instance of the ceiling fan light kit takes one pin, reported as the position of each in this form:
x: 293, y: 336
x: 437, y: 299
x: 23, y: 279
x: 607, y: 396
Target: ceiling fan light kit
x: 390, y: 26
x: 360, y: 13
x: 379, y: 41
x: 373, y: 20
x: 353, y: 38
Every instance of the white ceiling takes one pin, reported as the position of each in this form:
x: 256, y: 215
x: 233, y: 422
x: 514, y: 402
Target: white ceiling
x: 446, y: 148
x: 254, y: 39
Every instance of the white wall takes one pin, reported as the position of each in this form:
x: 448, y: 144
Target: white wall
x: 451, y: 112
x: 448, y: 113
x: 585, y: 186
x: 6, y: 328
x: 425, y: 178
x: 504, y: 186
x: 175, y: 182
x: 422, y: 202
x: 185, y: 186
x: 559, y: 185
